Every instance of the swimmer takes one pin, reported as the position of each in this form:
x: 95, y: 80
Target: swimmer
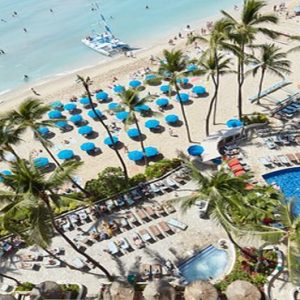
x: 24, y: 29
x: 51, y: 10
x: 4, y: 21
x: 2, y: 51
x: 147, y: 7
x: 26, y: 77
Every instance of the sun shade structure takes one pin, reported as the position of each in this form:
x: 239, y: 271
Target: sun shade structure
x: 242, y: 290
x: 192, y: 68
x: 142, y: 107
x: 4, y: 173
x: 57, y: 104
x: 162, y: 102
x: 122, y: 115
x: 43, y: 130
x: 84, y: 101
x: 199, y: 90
x: 92, y: 114
x: 151, y: 151
x: 171, y: 119
x: 41, y: 162
x: 195, y: 150
x: 70, y: 106
x: 152, y: 124
x: 135, y: 155
x: 113, y: 106
x: 84, y: 130
x: 118, y: 89
x: 54, y: 114
x: 200, y: 290
x: 159, y: 290
x: 232, y: 123
x: 61, y: 124
x: 65, y: 154
x: 109, y: 142
x: 76, y: 119
x: 183, y: 97
x: 135, y: 83
x: 133, y: 132
x: 165, y: 88
x: 102, y: 96
x: 87, y: 146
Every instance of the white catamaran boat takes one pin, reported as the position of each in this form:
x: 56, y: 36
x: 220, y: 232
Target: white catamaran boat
x: 105, y: 43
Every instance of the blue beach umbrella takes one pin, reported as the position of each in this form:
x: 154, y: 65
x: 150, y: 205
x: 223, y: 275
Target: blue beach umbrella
x: 65, y: 154
x: 165, y: 88
x: 114, y: 106
x: 84, y: 130
x: 232, y: 123
x: 61, y: 124
x: 102, y: 96
x: 142, y: 107
x: 171, y: 119
x: 122, y: 115
x: 183, y: 81
x: 5, y: 173
x: 87, y: 146
x: 161, y: 102
x: 57, y: 104
x: 92, y: 114
x: 135, y: 83
x: 184, y: 97
x: 43, y: 130
x: 70, y: 106
x: 135, y: 155
x: 199, y: 90
x: 150, y: 77
x: 192, y: 68
x: 84, y: 101
x: 76, y: 119
x: 109, y: 142
x: 133, y: 132
x: 151, y: 124
x: 54, y: 114
x: 41, y: 162
x: 195, y: 150
x: 118, y: 89
x: 151, y: 151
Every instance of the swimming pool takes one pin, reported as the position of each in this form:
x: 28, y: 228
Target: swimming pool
x: 289, y: 182
x: 210, y: 263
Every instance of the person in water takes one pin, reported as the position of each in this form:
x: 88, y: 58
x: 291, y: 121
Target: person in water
x: 26, y: 77
x: 2, y: 51
x: 51, y: 10
x: 147, y: 7
x: 24, y: 29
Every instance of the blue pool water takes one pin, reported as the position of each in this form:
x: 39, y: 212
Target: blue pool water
x: 207, y: 264
x: 289, y: 182
x: 52, y: 44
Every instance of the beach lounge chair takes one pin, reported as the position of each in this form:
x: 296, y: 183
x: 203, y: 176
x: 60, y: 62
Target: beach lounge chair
x: 177, y: 224
x: 79, y: 263
x: 155, y: 231
x: 156, y: 270
x: 141, y: 214
x: 124, y: 245
x: 165, y: 227
x: 52, y: 263
x: 113, y: 248
x: 284, y: 159
x: 155, y: 189
x: 171, y: 183
x: 145, y: 271
x: 270, y: 143
x: 169, y: 209
x: 266, y: 162
x: 132, y: 219
x: 128, y: 199
x: 292, y: 158
x: 149, y: 211
x: 138, y: 242
x: 144, y: 234
x: 158, y: 209
x: 29, y: 257
x: 298, y: 155
x: 27, y: 266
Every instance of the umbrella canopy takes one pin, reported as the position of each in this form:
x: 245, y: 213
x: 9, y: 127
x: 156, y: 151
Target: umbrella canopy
x: 118, y: 89
x: 61, y: 124
x: 165, y: 88
x: 151, y: 151
x: 199, y: 90
x: 5, y: 173
x: 195, y: 150
x: 76, y: 119
x: 109, y: 142
x: 183, y: 81
x: 47, y: 290
x: 92, y: 114
x: 103, y: 96
x: 87, y: 146
x: 135, y: 155
x: 41, y: 162
x: 133, y: 132
x: 142, y: 107
x: 113, y: 106
x: 171, y: 119
x: 135, y: 83
x: 70, y: 106
x: 242, y: 290
x: 54, y: 114
x: 192, y: 68
x: 43, y: 130
x: 183, y: 97
x: 84, y: 101
x: 201, y: 290
x: 232, y: 123
x: 152, y: 123
x: 65, y: 154
x: 121, y: 291
x: 122, y: 115
x: 150, y: 77
x: 57, y: 104
x: 159, y: 290
x: 85, y: 130
x: 161, y: 102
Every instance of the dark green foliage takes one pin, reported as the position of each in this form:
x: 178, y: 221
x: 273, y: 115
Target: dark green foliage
x: 136, y: 179
x: 25, y: 287
x: 255, y: 118
x: 161, y: 167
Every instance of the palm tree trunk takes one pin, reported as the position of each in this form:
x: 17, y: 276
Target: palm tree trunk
x: 141, y: 140
x: 183, y: 113
x: 69, y: 241
x: 217, y: 88
x: 11, y: 278
x: 241, y: 79
x: 108, y: 132
x: 212, y: 102
x: 260, y: 84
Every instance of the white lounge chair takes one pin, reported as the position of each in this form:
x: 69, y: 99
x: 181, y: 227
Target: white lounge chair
x: 175, y: 223
x: 112, y: 248
x: 266, y: 162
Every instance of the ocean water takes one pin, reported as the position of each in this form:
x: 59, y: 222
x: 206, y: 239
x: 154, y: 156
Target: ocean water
x: 52, y: 43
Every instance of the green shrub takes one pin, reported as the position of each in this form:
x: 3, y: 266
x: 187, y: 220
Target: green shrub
x: 154, y: 81
x: 136, y: 179
x: 255, y: 118
x: 72, y: 288
x: 161, y: 167
x: 25, y: 287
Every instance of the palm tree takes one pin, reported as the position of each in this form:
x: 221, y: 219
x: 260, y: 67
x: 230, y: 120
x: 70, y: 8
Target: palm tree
x: 30, y: 115
x: 271, y: 60
x: 243, y: 32
x: 28, y: 209
x: 213, y: 66
x: 174, y: 64
x: 86, y: 83
x: 130, y: 99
